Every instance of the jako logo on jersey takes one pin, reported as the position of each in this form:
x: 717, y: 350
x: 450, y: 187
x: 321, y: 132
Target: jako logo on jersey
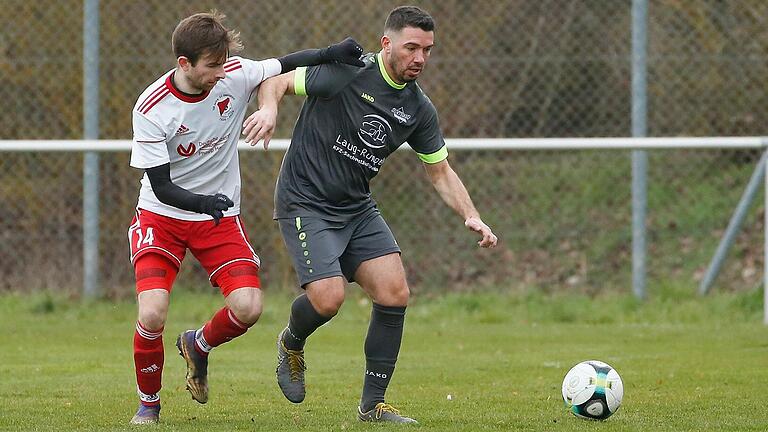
x: 367, y: 97
x: 187, y: 151
x: 374, y: 131
x: 223, y: 106
x: 400, y: 115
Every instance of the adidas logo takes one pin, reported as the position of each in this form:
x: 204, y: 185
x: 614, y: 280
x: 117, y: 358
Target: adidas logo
x: 150, y: 369
x: 182, y: 130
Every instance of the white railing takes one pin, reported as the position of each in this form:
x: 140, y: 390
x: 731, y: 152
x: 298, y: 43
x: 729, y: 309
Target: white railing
x: 486, y: 144
x: 453, y: 144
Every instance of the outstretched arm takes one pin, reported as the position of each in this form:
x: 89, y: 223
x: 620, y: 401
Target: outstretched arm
x: 261, y: 124
x: 452, y: 191
x: 347, y: 51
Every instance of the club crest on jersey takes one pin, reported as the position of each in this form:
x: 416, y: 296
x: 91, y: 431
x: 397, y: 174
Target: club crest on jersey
x: 400, y: 115
x: 223, y: 106
x: 187, y: 151
x: 374, y: 131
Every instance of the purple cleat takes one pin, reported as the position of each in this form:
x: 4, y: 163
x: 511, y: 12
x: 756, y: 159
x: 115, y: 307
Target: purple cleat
x: 147, y: 414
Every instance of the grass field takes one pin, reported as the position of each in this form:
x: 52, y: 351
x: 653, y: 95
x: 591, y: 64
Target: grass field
x: 688, y: 364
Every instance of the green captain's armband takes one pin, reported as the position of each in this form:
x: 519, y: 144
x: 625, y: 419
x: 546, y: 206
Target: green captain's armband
x: 435, y: 157
x: 300, y: 81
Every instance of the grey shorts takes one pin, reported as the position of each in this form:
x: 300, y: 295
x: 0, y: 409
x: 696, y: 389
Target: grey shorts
x: 321, y: 249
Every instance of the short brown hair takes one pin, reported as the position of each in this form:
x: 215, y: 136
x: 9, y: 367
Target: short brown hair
x: 408, y: 16
x: 202, y: 34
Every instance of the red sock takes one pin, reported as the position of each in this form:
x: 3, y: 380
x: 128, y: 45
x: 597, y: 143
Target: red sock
x: 223, y: 327
x: 148, y: 358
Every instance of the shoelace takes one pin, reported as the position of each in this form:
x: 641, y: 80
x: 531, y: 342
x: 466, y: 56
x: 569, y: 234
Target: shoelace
x: 296, y: 364
x: 382, y: 407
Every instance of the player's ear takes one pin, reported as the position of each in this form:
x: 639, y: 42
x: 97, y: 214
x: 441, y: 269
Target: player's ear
x: 386, y: 44
x: 184, y: 63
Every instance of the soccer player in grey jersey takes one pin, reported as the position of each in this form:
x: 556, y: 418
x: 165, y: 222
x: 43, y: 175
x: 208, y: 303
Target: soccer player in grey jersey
x: 352, y: 120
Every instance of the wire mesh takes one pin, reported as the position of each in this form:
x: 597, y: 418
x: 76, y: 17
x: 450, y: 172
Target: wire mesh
x: 513, y: 68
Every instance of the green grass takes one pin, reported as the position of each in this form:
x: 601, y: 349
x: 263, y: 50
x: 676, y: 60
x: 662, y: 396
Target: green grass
x: 688, y: 364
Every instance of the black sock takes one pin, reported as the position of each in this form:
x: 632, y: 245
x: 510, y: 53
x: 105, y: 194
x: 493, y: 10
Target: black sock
x: 304, y: 320
x: 382, y: 345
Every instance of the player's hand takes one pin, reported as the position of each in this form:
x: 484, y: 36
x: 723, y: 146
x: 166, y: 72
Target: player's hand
x: 347, y: 51
x: 215, y: 206
x: 260, y: 126
x: 489, y: 239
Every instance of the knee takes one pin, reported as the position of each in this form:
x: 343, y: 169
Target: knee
x: 397, y: 295
x: 405, y: 295
x: 247, y: 312
x: 329, y: 303
x: 152, y: 318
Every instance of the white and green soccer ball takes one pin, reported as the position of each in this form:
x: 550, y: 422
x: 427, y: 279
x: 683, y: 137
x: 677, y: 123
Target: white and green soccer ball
x: 592, y: 390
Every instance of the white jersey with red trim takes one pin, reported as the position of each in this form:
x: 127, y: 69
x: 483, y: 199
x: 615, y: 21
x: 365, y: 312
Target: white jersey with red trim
x: 197, y: 134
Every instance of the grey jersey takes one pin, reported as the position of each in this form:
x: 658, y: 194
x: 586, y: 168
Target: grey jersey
x: 352, y: 120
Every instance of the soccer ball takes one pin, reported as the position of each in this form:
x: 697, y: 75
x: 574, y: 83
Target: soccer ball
x: 592, y: 390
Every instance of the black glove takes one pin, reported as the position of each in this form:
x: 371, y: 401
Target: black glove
x: 215, y: 205
x: 347, y: 51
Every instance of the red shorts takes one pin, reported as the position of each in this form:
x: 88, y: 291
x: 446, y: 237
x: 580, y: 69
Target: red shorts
x: 218, y: 248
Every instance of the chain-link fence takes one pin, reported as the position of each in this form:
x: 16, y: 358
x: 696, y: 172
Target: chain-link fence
x: 549, y: 68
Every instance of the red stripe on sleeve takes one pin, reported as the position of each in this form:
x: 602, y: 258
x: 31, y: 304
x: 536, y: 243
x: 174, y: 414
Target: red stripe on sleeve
x: 158, y: 99
x: 154, y: 93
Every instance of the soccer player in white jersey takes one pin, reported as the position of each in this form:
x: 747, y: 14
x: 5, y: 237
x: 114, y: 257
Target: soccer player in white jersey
x: 185, y: 131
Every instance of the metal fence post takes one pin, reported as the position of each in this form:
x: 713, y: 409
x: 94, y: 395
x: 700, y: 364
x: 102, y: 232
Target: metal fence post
x: 91, y: 159
x: 639, y: 157
x: 733, y: 226
x: 765, y: 246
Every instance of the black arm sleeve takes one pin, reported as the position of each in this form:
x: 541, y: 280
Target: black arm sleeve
x: 305, y: 57
x: 171, y: 194
x: 347, y: 51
